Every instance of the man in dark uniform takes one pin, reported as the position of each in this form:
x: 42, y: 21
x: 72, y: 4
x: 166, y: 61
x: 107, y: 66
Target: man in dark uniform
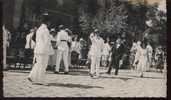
x: 117, y: 55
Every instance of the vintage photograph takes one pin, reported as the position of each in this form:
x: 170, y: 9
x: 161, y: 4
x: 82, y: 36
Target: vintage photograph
x: 84, y: 48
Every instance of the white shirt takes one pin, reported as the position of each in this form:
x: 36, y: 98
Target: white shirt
x: 62, y: 39
x: 75, y: 46
x: 138, y: 53
x: 43, y: 41
x: 97, y: 46
x: 30, y: 44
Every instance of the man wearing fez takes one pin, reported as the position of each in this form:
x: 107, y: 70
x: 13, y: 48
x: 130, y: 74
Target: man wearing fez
x: 62, y: 49
x: 43, y: 49
x: 117, y: 55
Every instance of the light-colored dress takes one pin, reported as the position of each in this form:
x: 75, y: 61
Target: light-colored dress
x: 105, y: 54
x: 75, y: 46
x: 132, y: 54
x: 149, y: 56
x: 106, y: 49
x: 52, y: 58
x: 142, y: 60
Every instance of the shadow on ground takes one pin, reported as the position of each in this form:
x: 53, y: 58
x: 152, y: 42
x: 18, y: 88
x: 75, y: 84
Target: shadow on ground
x: 69, y: 85
x: 121, y: 78
x: 146, y: 77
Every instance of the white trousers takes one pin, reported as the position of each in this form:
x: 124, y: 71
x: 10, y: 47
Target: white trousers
x: 62, y: 55
x: 95, y: 64
x: 38, y: 71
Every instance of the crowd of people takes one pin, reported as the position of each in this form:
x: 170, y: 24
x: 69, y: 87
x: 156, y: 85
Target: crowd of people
x: 51, y: 47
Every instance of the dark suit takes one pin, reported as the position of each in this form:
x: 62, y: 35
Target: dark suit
x: 117, y: 54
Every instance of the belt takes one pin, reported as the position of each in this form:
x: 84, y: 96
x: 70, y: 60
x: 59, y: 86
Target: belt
x: 64, y: 40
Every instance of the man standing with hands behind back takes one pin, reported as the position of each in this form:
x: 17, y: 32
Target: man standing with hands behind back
x: 62, y: 49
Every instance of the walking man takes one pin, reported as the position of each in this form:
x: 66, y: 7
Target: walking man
x: 63, y: 50
x: 117, y: 55
x: 43, y: 49
x: 95, y: 53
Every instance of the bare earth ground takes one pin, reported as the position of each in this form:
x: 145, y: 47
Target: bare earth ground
x: 80, y: 84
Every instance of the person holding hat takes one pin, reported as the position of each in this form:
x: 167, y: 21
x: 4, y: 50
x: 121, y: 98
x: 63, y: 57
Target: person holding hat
x: 95, y: 53
x: 63, y: 49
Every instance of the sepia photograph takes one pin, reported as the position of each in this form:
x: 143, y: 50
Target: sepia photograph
x: 84, y: 48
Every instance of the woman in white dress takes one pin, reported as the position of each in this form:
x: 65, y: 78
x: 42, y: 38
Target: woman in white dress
x: 52, y: 58
x: 105, y: 53
x: 149, y: 56
x: 75, y: 51
x: 141, y: 59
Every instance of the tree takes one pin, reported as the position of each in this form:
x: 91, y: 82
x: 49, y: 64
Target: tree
x: 124, y: 17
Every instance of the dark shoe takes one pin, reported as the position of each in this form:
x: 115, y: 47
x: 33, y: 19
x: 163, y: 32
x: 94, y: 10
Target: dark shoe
x: 65, y: 72
x: 141, y: 75
x: 29, y: 79
x: 91, y: 75
x: 116, y: 73
x: 108, y: 73
x: 56, y: 72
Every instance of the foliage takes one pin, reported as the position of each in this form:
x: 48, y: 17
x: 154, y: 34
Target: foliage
x: 124, y: 17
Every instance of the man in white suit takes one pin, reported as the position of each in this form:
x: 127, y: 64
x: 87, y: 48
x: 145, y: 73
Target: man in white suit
x: 95, y: 53
x: 62, y: 49
x: 43, y: 49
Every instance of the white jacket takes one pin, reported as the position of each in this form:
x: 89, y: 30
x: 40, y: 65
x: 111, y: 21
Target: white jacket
x: 62, y: 39
x: 97, y: 46
x: 43, y: 41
